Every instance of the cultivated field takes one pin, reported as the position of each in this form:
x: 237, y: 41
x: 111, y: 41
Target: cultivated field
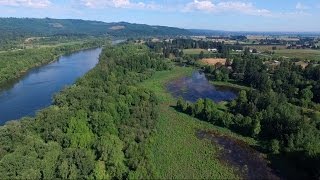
x: 214, y: 61
x: 303, y: 54
x: 259, y: 37
x: 263, y: 48
x: 195, y: 51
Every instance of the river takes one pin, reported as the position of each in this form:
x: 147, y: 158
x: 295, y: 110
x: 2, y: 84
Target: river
x: 34, y: 91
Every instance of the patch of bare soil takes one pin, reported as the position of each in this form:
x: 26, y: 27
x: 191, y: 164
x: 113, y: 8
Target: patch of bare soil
x: 214, y: 61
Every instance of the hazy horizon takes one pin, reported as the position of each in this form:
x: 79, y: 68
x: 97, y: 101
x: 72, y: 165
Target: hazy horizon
x: 224, y: 15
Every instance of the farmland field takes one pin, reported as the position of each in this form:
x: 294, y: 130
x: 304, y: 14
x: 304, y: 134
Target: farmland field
x: 261, y: 37
x: 195, y: 51
x: 214, y: 61
x: 262, y: 48
x: 303, y: 54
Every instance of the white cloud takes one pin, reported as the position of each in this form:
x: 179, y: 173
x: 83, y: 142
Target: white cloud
x: 226, y: 6
x: 118, y: 4
x: 200, y: 5
x: 26, y: 3
x: 301, y: 6
x: 294, y: 14
x: 208, y: 6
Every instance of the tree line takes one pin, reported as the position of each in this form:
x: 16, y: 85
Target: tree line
x: 300, y: 85
x: 97, y: 128
x: 14, y: 63
x: 176, y: 47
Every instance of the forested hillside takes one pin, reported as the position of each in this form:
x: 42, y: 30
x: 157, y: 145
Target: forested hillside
x: 97, y: 128
x: 12, y: 28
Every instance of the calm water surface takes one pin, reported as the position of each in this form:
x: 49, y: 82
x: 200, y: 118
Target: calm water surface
x: 34, y: 91
x: 197, y: 86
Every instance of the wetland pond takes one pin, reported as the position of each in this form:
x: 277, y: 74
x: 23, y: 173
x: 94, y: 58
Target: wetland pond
x: 198, y: 86
x: 247, y: 162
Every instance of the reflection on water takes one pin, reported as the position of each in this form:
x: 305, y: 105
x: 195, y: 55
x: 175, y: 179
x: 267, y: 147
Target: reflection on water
x: 197, y: 86
x: 34, y: 91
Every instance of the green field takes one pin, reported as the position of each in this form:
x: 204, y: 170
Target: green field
x: 263, y: 48
x: 303, y: 54
x: 176, y: 151
x: 230, y: 84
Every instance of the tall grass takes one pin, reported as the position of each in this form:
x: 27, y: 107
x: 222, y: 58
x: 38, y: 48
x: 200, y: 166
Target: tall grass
x: 175, y: 150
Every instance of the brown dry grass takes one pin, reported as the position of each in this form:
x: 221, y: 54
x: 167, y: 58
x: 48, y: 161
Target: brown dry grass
x: 302, y: 64
x: 214, y: 61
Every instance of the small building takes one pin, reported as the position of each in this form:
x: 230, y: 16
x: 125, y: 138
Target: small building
x: 213, y: 50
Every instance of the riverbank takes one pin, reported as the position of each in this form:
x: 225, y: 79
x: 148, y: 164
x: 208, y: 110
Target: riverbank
x: 176, y: 151
x: 36, y: 89
x: 15, y: 64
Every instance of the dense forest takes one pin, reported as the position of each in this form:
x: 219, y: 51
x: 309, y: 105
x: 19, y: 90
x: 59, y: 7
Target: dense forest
x: 300, y: 85
x: 14, y: 63
x: 97, y: 128
x: 15, y: 28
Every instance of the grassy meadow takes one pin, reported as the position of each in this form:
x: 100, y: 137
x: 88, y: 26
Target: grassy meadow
x: 303, y: 54
x: 230, y: 84
x: 176, y: 151
x: 263, y: 48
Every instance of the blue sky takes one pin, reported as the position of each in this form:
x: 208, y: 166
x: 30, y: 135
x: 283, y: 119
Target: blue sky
x: 234, y: 15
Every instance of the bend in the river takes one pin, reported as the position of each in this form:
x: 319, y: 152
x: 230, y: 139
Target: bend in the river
x: 34, y: 91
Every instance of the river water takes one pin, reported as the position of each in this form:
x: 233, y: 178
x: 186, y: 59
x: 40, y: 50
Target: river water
x: 35, y: 90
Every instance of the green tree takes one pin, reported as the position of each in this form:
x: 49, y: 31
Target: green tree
x: 100, y: 172
x: 102, y: 123
x: 109, y: 149
x: 306, y: 96
x: 181, y: 104
x: 256, y: 127
x: 274, y: 146
x: 79, y: 132
x: 198, y: 107
x: 201, y: 55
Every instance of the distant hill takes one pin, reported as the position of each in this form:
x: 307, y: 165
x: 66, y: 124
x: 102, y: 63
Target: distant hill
x: 22, y: 27
x: 19, y: 28
x: 205, y: 32
x: 208, y: 32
